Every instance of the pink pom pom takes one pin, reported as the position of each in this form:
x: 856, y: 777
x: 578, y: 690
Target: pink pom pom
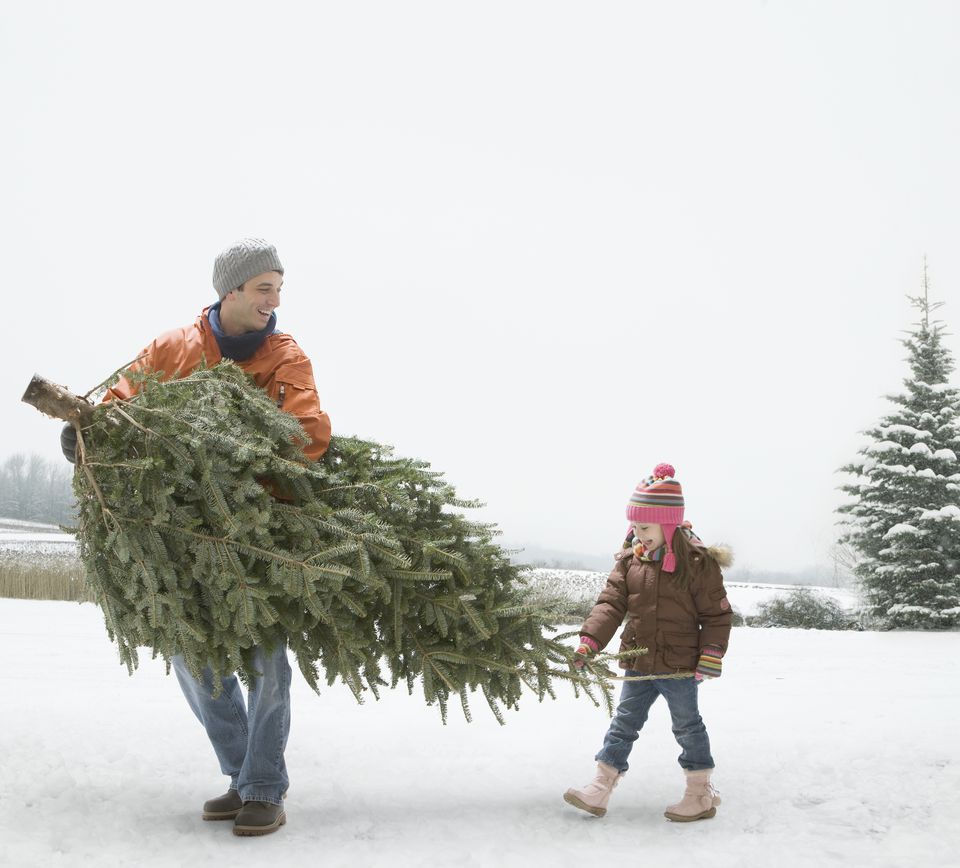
x: 663, y: 471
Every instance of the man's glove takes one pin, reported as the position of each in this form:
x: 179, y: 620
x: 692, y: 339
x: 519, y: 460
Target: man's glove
x: 585, y: 649
x: 709, y: 664
x: 68, y: 442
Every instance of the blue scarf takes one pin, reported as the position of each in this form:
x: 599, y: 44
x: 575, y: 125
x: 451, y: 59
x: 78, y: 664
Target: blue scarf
x: 238, y: 348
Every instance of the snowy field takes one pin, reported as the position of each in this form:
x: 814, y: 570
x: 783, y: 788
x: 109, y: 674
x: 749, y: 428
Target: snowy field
x: 44, y: 543
x: 36, y: 541
x: 745, y: 597
x: 832, y: 748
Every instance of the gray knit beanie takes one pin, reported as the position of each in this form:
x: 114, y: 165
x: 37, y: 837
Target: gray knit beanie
x: 242, y: 260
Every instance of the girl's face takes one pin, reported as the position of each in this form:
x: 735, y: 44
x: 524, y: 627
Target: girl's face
x: 651, y: 535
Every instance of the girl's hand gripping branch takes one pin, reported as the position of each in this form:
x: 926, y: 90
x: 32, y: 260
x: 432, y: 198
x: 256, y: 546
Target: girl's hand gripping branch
x: 587, y: 648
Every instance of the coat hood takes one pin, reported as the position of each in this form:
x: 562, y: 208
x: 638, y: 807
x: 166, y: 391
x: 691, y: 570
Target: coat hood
x: 721, y: 553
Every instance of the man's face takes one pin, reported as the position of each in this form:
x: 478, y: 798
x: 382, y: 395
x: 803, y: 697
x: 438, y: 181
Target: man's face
x: 248, y: 309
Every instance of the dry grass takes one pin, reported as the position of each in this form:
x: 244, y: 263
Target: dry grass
x: 53, y: 579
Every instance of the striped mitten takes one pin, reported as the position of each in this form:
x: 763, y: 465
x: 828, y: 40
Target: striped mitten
x: 709, y: 664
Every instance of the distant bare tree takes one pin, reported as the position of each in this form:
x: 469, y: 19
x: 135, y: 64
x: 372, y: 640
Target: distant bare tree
x: 845, y: 559
x: 33, y: 488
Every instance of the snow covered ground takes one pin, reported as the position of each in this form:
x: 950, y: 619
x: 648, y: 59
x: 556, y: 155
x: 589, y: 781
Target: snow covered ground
x: 36, y: 540
x: 745, y: 597
x: 832, y: 748
x: 41, y: 543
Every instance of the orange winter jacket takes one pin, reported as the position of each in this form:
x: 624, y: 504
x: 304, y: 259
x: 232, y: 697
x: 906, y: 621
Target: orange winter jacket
x: 279, y: 367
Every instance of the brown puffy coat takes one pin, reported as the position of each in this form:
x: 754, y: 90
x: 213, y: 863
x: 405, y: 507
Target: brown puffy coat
x: 673, y: 625
x: 279, y: 367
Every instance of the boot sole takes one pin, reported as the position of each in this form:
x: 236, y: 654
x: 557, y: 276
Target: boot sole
x: 680, y: 818
x: 220, y: 815
x: 252, y: 831
x: 571, y: 799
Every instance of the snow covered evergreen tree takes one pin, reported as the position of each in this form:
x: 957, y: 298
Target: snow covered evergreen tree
x: 905, y: 520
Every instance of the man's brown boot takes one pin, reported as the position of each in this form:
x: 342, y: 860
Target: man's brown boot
x: 259, y: 818
x: 224, y: 807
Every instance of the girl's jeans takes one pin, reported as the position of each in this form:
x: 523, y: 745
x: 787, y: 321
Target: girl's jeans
x: 635, y: 701
x: 249, y: 741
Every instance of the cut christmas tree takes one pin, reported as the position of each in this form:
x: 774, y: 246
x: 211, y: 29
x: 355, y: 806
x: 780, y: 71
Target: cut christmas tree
x: 205, y: 532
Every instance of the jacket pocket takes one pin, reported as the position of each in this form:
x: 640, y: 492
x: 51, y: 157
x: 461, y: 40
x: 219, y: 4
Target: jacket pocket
x: 294, y: 392
x: 292, y: 396
x: 291, y: 384
x: 680, y: 650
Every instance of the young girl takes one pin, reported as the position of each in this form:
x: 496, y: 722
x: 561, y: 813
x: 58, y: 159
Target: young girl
x: 669, y: 587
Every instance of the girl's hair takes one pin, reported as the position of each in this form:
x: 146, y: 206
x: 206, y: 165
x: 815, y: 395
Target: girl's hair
x: 690, y: 559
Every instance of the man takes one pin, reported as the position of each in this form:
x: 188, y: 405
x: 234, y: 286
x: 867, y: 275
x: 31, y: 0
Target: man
x: 249, y: 741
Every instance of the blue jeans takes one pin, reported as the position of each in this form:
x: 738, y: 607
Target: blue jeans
x: 249, y: 741
x: 635, y: 701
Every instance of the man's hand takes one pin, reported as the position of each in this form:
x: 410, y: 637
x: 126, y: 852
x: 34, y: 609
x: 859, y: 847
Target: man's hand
x: 68, y: 442
x: 586, y: 649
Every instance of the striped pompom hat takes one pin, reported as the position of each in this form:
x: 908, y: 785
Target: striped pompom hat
x: 658, y: 499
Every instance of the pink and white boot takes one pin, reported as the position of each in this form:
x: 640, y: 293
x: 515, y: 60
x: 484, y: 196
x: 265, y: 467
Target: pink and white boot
x: 699, y: 801
x: 593, y: 798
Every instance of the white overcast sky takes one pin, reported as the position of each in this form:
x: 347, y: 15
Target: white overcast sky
x: 543, y: 245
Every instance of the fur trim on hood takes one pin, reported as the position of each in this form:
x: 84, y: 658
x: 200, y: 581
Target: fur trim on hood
x: 721, y: 553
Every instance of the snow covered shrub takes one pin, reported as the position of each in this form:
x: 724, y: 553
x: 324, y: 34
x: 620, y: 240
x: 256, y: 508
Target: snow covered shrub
x: 805, y: 609
x: 571, y: 593
x: 566, y: 609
